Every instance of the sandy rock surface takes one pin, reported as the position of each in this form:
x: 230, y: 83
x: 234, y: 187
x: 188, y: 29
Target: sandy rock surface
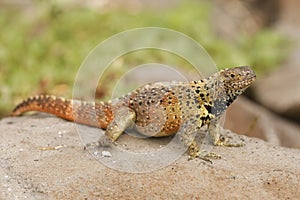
x: 42, y: 157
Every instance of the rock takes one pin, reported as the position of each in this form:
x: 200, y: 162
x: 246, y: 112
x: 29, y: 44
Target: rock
x: 288, y: 22
x: 258, y: 170
x: 248, y: 118
x: 279, y: 92
x: 232, y: 18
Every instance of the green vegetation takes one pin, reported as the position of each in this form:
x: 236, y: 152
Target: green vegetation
x: 41, y: 49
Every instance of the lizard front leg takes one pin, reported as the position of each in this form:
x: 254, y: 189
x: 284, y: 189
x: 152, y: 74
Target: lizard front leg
x: 219, y: 139
x: 188, y: 138
x: 195, y: 152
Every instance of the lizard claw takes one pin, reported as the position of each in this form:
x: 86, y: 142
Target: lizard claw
x: 204, y: 155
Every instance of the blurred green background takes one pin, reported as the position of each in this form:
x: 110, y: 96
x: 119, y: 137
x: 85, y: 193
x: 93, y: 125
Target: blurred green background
x: 43, y: 43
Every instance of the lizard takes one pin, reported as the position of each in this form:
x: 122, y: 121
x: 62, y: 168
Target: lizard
x: 156, y: 109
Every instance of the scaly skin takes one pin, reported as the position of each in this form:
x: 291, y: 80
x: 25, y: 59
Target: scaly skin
x: 156, y: 109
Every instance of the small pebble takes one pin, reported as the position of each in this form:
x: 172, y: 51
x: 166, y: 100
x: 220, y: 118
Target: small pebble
x: 106, y: 154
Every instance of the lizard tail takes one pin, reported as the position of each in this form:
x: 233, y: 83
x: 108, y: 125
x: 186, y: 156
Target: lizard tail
x: 44, y: 103
x: 92, y: 114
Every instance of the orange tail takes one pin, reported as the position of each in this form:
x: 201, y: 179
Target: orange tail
x: 92, y: 114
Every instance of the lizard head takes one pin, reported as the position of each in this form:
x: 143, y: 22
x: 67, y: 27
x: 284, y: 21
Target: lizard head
x: 235, y: 81
x: 228, y: 84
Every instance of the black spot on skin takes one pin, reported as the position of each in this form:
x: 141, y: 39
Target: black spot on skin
x: 229, y: 102
x: 205, y: 118
x: 208, y: 108
x: 201, y: 95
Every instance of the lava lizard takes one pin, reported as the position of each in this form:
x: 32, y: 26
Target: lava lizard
x: 156, y: 109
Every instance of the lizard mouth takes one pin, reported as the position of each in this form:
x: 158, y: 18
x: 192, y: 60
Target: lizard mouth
x: 249, y: 79
x: 239, y: 78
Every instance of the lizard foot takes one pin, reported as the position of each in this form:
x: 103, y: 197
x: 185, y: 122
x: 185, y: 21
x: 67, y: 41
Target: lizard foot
x: 102, y: 142
x: 204, y: 155
x: 227, y: 141
x: 195, y: 152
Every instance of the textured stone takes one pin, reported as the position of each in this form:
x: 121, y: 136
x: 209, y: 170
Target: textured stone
x: 279, y: 92
x: 258, y: 170
x: 248, y: 118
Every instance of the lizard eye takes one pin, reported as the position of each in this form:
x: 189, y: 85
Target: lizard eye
x: 232, y: 75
